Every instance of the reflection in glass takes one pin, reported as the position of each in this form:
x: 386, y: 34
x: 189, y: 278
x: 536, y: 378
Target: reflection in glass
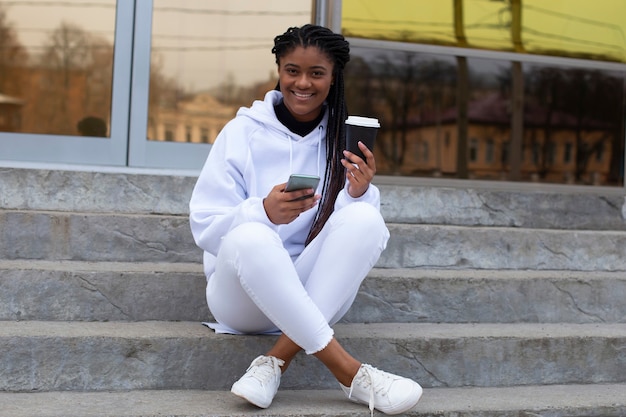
x: 56, y: 63
x: 209, y: 59
x: 411, y: 95
x: 465, y: 118
x: 574, y: 118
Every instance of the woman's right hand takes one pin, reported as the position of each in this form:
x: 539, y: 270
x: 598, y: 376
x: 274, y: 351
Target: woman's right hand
x: 284, y: 207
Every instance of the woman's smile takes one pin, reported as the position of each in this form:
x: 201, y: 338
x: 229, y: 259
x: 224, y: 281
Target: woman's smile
x: 302, y: 95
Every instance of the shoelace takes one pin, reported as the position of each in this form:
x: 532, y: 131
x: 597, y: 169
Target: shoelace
x: 265, y: 367
x: 366, y: 379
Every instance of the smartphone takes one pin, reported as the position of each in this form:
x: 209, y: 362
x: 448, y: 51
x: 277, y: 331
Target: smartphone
x: 302, y: 181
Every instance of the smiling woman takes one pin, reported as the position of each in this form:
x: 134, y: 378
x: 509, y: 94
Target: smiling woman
x: 292, y: 261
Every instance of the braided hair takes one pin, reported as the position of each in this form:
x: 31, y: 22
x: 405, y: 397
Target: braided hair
x: 338, y: 50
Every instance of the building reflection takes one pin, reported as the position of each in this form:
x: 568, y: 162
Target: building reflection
x: 196, y: 119
x: 557, y: 147
x: 570, y: 126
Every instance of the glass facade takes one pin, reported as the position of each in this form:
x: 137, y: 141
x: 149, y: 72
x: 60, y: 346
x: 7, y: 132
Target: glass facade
x: 521, y: 90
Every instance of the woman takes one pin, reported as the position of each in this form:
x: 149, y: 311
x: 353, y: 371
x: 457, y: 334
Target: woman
x: 292, y: 262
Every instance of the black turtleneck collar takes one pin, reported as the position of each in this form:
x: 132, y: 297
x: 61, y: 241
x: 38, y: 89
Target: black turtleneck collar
x: 295, y: 126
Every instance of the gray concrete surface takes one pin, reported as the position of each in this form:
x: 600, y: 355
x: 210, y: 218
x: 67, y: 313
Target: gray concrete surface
x: 413, y: 200
x: 165, y: 238
x: 58, y: 356
x: 435, y: 246
x: 489, y: 294
x: 531, y: 401
x: 103, y: 291
x: 110, y: 291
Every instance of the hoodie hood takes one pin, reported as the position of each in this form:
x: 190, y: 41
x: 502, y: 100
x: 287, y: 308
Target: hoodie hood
x: 262, y: 112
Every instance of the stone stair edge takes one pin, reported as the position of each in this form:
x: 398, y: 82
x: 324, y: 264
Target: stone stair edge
x: 429, y: 331
x: 168, y: 238
x: 113, y: 291
x: 51, y: 356
x: 99, y: 266
x: 98, y: 173
x: 376, y: 272
x: 606, y: 400
x: 393, y: 223
x: 424, y: 201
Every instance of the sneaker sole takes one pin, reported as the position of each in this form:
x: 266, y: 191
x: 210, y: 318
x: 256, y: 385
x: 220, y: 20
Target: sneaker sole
x: 401, y: 408
x: 259, y: 402
x: 408, y: 405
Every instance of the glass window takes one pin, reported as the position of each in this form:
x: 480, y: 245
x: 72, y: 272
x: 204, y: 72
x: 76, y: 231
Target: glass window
x: 536, y: 153
x: 473, y: 150
x: 489, y: 151
x: 551, y: 148
x: 56, y: 66
x: 210, y: 58
x: 567, y: 154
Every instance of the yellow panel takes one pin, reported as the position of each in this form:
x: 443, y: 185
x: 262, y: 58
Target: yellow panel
x: 587, y: 28
x: 423, y: 21
x: 590, y: 29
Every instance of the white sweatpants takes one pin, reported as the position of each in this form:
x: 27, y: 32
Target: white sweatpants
x: 256, y: 288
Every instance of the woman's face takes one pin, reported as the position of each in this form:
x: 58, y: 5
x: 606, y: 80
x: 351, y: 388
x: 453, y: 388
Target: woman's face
x: 305, y: 76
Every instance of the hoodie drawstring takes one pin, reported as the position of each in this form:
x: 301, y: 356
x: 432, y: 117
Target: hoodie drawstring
x: 319, y: 152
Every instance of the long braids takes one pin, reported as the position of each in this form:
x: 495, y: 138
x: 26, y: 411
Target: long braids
x: 338, y: 50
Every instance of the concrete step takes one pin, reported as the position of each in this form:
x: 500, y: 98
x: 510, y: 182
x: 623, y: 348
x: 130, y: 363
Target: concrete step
x: 113, y: 291
x: 600, y: 400
x: 102, y: 291
x: 490, y: 296
x: 97, y: 356
x: 434, y: 246
x: 164, y: 238
x: 53, y: 235
x: 404, y: 200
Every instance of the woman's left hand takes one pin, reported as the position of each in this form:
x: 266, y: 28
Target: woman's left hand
x: 359, y: 173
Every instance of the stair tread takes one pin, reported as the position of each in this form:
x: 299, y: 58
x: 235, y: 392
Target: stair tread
x: 98, y: 266
x: 559, y: 400
x: 168, y: 329
x: 376, y: 272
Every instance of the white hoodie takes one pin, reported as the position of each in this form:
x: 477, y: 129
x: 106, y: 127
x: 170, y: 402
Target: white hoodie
x: 252, y: 154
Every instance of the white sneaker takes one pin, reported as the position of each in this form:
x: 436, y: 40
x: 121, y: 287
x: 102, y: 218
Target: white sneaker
x: 386, y: 392
x: 260, y: 382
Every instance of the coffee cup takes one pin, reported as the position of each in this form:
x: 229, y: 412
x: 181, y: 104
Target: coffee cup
x: 363, y: 129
